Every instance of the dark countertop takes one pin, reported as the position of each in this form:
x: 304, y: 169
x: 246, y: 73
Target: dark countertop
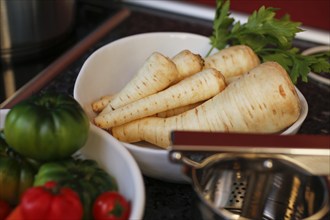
x: 170, y: 200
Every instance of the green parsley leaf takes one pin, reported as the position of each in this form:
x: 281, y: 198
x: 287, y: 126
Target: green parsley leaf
x: 271, y: 39
x: 320, y: 63
x: 221, y: 26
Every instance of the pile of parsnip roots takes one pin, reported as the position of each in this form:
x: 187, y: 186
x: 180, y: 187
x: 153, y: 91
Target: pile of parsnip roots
x: 230, y: 91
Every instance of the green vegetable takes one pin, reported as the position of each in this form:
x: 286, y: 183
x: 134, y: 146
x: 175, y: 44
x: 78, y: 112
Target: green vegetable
x: 269, y: 37
x: 47, y: 127
x: 83, y: 176
x: 16, y: 173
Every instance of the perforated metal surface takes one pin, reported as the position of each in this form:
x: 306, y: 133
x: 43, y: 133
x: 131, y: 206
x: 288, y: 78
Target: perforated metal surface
x: 257, y: 193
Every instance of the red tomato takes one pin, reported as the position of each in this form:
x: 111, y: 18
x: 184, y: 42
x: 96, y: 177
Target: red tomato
x: 16, y: 214
x: 51, y: 202
x: 4, y: 209
x: 111, y: 206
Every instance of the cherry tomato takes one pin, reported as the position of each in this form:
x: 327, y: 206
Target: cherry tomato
x: 111, y: 206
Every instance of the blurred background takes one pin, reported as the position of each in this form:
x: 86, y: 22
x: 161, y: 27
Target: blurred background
x: 35, y: 33
x: 313, y: 13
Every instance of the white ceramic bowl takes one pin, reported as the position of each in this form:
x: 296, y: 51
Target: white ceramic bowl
x: 117, y: 161
x: 109, y: 68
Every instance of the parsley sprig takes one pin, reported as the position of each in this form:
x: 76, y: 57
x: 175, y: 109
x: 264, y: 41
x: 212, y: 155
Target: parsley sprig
x: 271, y: 39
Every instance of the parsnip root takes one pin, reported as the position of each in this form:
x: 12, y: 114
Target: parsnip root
x: 157, y: 73
x: 178, y: 110
x: 196, y: 88
x: 263, y: 100
x: 233, y: 61
x: 100, y: 104
x: 187, y: 64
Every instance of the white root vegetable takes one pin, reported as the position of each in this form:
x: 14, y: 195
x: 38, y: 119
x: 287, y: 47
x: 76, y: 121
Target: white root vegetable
x: 263, y: 100
x: 178, y: 110
x: 157, y: 73
x: 100, y: 104
x: 198, y: 87
x: 233, y: 61
x: 187, y: 64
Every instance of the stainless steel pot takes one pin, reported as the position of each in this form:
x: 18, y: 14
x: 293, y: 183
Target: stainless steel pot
x: 30, y: 26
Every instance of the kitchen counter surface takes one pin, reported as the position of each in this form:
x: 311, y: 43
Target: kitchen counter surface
x: 166, y: 200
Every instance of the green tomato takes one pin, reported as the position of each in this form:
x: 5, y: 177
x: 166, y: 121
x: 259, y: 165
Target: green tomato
x: 16, y: 173
x: 47, y: 127
x: 83, y: 176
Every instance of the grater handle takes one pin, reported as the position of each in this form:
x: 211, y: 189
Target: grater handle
x: 250, y: 143
x: 312, y: 151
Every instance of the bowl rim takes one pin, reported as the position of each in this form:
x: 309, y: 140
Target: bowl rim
x: 302, y: 116
x: 139, y: 192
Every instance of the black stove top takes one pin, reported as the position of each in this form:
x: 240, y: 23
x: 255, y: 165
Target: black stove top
x: 17, y: 72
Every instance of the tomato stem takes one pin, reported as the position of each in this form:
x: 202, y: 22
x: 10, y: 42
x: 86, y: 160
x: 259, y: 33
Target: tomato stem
x: 52, y: 187
x: 117, y: 210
